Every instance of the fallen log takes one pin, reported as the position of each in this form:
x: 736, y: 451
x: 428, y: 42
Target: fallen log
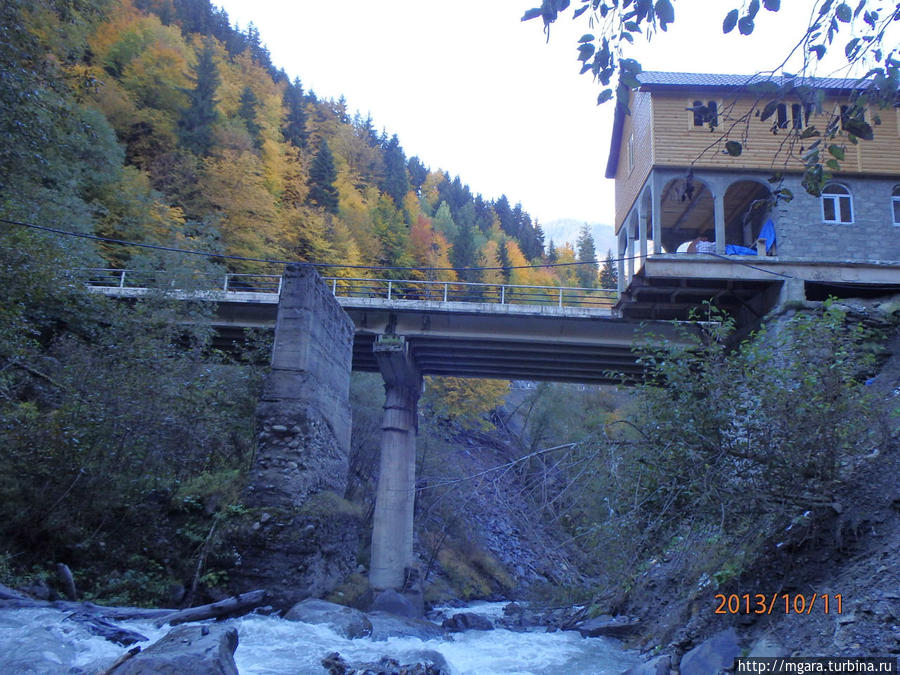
x: 106, y: 629
x: 7, y: 593
x: 114, y: 613
x: 234, y: 606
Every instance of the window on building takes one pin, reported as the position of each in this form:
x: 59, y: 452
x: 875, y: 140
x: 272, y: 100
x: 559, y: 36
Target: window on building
x: 808, y: 111
x: 704, y: 114
x: 781, y: 116
x: 837, y: 204
x: 895, y: 204
x: 797, y: 115
x: 845, y: 116
x: 712, y: 113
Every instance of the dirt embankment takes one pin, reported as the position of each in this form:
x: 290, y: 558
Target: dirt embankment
x: 848, y: 551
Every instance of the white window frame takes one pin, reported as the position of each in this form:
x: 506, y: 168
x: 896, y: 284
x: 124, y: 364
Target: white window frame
x: 895, y: 205
x: 835, y: 199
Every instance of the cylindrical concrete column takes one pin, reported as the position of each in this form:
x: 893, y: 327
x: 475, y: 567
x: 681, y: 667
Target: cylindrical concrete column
x: 392, y: 529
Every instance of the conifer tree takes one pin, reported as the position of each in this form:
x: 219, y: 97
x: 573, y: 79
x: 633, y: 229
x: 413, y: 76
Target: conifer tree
x: 295, y: 121
x: 609, y: 275
x: 587, y: 255
x: 396, y: 180
x: 538, y: 239
x: 552, y: 253
x: 195, y: 124
x: 247, y: 112
x: 444, y: 223
x: 322, y: 176
x: 465, y: 254
x: 504, y: 215
x: 503, y: 257
x: 418, y: 173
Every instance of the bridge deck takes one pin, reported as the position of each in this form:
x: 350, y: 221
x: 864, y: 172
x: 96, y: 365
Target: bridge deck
x: 582, y: 342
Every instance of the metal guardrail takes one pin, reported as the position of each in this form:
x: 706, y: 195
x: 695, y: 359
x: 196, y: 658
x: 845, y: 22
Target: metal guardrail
x: 387, y: 289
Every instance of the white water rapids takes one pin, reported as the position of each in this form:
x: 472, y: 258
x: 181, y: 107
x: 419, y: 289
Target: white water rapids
x: 42, y: 642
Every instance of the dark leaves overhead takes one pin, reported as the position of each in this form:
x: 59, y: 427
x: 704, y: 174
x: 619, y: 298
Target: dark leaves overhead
x: 730, y: 22
x: 665, y: 13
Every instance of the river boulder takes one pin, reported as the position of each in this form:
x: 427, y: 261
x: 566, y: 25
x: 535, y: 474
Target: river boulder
x: 467, y: 621
x: 656, y: 666
x: 427, y: 662
x: 618, y: 627
x: 198, y: 650
x: 712, y: 655
x: 386, y: 626
x: 346, y: 621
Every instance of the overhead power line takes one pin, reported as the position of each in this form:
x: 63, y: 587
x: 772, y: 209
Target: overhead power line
x: 225, y: 256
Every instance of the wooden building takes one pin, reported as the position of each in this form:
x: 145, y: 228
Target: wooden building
x: 678, y: 187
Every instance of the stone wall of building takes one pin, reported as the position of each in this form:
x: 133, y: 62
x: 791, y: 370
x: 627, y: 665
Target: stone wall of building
x: 301, y: 539
x: 871, y: 236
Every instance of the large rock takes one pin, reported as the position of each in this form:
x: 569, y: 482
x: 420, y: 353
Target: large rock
x: 608, y: 627
x: 713, y: 655
x: 467, y: 621
x: 401, y: 604
x: 349, y: 622
x: 426, y: 662
x: 386, y: 626
x: 187, y: 650
x: 658, y: 666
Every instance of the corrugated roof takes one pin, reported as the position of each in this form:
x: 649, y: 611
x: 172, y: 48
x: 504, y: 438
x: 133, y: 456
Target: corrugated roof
x: 653, y: 79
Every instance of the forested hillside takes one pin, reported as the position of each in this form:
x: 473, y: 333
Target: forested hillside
x: 157, y: 121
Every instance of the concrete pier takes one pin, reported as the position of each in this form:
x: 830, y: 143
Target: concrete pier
x: 300, y: 545
x: 392, y: 528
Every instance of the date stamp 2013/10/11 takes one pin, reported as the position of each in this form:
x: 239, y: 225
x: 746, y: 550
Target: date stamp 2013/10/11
x: 788, y: 603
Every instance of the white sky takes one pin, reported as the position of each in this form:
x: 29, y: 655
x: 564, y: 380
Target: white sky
x: 471, y: 89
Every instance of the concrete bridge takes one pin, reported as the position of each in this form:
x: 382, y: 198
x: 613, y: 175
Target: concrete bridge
x: 459, y: 329
x: 404, y: 330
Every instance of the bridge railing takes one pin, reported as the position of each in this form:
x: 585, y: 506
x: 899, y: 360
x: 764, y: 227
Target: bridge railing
x: 464, y: 291
x: 230, y: 283
x: 387, y: 289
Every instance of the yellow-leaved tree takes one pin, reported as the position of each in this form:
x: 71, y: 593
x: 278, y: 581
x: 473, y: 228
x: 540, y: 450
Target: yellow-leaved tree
x: 465, y: 401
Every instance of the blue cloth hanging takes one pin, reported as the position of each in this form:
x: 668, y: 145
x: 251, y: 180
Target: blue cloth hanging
x: 768, y: 233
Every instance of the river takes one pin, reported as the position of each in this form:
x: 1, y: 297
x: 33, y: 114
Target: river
x: 43, y: 642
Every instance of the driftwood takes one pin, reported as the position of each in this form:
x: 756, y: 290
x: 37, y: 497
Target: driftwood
x: 236, y: 605
x: 107, y: 630
x: 239, y: 604
x: 115, y: 613
x: 119, y: 661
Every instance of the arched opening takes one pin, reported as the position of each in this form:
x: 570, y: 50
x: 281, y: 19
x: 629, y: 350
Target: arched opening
x: 748, y: 204
x: 686, y: 211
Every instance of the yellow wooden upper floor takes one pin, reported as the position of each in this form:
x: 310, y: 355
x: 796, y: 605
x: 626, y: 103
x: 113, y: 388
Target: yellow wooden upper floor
x: 685, y: 120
